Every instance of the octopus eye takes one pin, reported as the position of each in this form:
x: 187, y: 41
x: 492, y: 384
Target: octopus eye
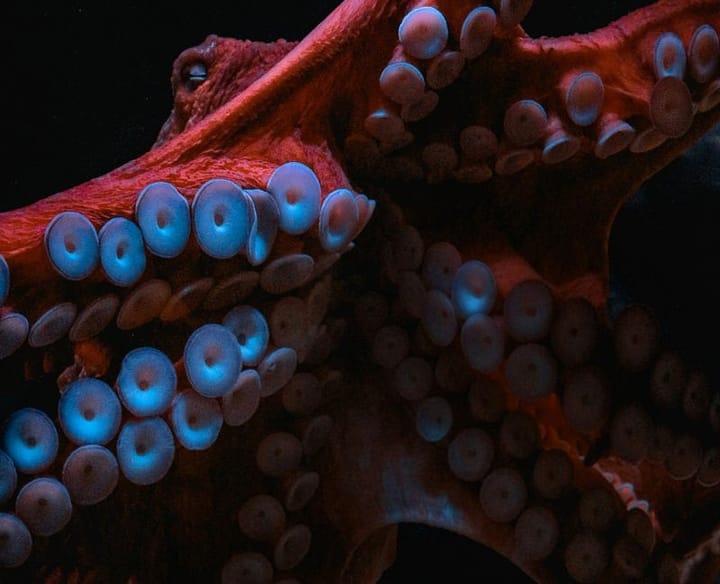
x: 194, y: 74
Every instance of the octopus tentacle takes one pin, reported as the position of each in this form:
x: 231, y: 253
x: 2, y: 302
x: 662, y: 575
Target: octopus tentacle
x: 380, y: 306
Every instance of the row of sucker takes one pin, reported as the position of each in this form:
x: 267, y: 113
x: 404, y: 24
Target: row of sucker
x: 147, y: 418
x: 512, y: 386
x: 429, y: 58
x: 226, y: 220
x: 276, y: 533
x: 246, y: 339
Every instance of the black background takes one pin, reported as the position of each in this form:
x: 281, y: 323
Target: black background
x: 85, y: 88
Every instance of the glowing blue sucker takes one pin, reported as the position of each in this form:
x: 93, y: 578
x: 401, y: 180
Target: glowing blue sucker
x: 196, y: 420
x: 296, y: 190
x: 72, y: 246
x: 251, y: 329
x: 339, y: 218
x: 213, y: 360
x: 163, y: 215
x: 473, y: 289
x: 222, y: 217
x: 145, y: 450
x: 264, y: 227
x: 89, y: 411
x: 147, y: 382
x: 122, y: 251
x: 31, y: 440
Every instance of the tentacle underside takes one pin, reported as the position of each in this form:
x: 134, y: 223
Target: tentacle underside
x: 307, y: 316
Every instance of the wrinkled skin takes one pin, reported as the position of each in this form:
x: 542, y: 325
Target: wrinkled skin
x: 517, y: 252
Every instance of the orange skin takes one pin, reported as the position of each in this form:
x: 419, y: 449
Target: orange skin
x: 548, y: 222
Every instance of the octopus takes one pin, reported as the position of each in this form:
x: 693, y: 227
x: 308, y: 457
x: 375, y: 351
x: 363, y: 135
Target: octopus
x: 307, y: 316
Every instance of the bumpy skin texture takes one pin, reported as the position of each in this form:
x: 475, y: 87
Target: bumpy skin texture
x: 257, y: 109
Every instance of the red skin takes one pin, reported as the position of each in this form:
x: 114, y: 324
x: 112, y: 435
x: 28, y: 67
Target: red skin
x: 376, y: 472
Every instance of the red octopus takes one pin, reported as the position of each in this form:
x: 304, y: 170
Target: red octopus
x: 439, y: 348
